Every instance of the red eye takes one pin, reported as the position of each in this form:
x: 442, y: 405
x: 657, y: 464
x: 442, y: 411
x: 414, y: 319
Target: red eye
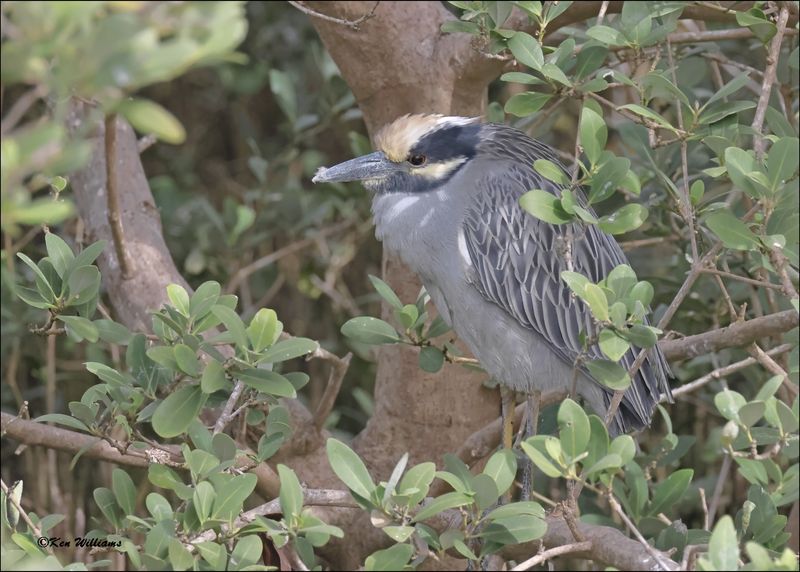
x: 417, y: 160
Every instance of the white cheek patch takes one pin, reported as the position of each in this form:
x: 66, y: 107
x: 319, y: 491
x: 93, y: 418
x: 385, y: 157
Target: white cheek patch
x: 436, y: 171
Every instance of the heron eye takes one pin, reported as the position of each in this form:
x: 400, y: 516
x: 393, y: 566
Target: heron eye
x: 417, y: 160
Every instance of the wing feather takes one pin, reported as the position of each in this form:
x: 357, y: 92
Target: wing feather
x: 517, y: 261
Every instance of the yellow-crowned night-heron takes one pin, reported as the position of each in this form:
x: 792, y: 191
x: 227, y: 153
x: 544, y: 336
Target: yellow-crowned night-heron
x: 446, y: 200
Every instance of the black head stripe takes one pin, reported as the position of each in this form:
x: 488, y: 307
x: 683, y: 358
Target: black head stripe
x: 449, y: 142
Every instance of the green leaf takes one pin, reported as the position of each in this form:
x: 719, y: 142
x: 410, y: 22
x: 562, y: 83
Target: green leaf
x: 519, y: 77
x: 349, y: 468
x: 502, y: 467
x: 593, y: 133
x: 385, y: 291
x: 291, y: 493
x: 148, y: 117
x: 743, y: 169
x: 551, y: 172
x: 573, y: 425
x: 124, y: 491
x: 514, y: 529
x: 723, y: 547
x: 81, y: 327
x: 213, y: 378
x: 782, y: 161
x: 605, y: 35
x: 594, y: 296
x: 264, y: 329
x: 589, y: 59
x: 179, y: 557
x: 203, y: 499
x: 232, y: 322
x: 753, y: 471
x: 84, y: 283
x: 755, y: 19
x: 609, y: 373
x: 544, y: 206
x: 460, y: 26
x: 670, y: 491
x: 369, y: 330
x: 612, y: 346
x: 535, y: 449
x: 641, y: 336
x: 60, y: 254
x: 527, y: 103
x: 62, y: 419
x: 625, y: 447
x: 48, y: 294
x: 288, y: 349
x: 750, y: 413
x: 179, y: 298
x: 526, y: 50
x: 610, y: 461
x: 231, y: 495
x: 515, y: 508
x: 187, y: 360
x: 431, y: 359
x: 390, y: 560
x: 214, y: 554
x: 626, y: 219
x: 174, y: 415
x: 107, y: 374
x: 204, y: 298
x: 266, y: 381
x: 728, y: 403
x: 418, y: 477
x: 552, y: 71
x: 112, y: 332
x: 439, y: 504
x: 108, y: 505
x: 650, y: 115
x: 732, y: 231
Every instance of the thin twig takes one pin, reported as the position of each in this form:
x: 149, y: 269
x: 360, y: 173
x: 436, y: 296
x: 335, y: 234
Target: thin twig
x: 23, y: 513
x: 725, y: 371
x: 635, y: 531
x: 779, y: 262
x: 602, y: 13
x: 686, y: 208
x: 745, y: 279
x: 715, y: 498
x: 354, y: 24
x: 227, y: 412
x: 114, y: 217
x: 772, y: 366
x: 553, y: 552
x: 718, y: 35
x: 766, y: 84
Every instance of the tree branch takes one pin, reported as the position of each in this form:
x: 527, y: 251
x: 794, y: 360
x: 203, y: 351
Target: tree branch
x: 33, y: 433
x: 736, y: 335
x: 766, y: 83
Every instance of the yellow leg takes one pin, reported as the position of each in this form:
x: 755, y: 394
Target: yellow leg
x: 507, y: 413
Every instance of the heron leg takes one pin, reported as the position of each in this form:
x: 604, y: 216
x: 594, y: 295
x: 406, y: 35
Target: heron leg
x: 507, y: 416
x: 532, y: 403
